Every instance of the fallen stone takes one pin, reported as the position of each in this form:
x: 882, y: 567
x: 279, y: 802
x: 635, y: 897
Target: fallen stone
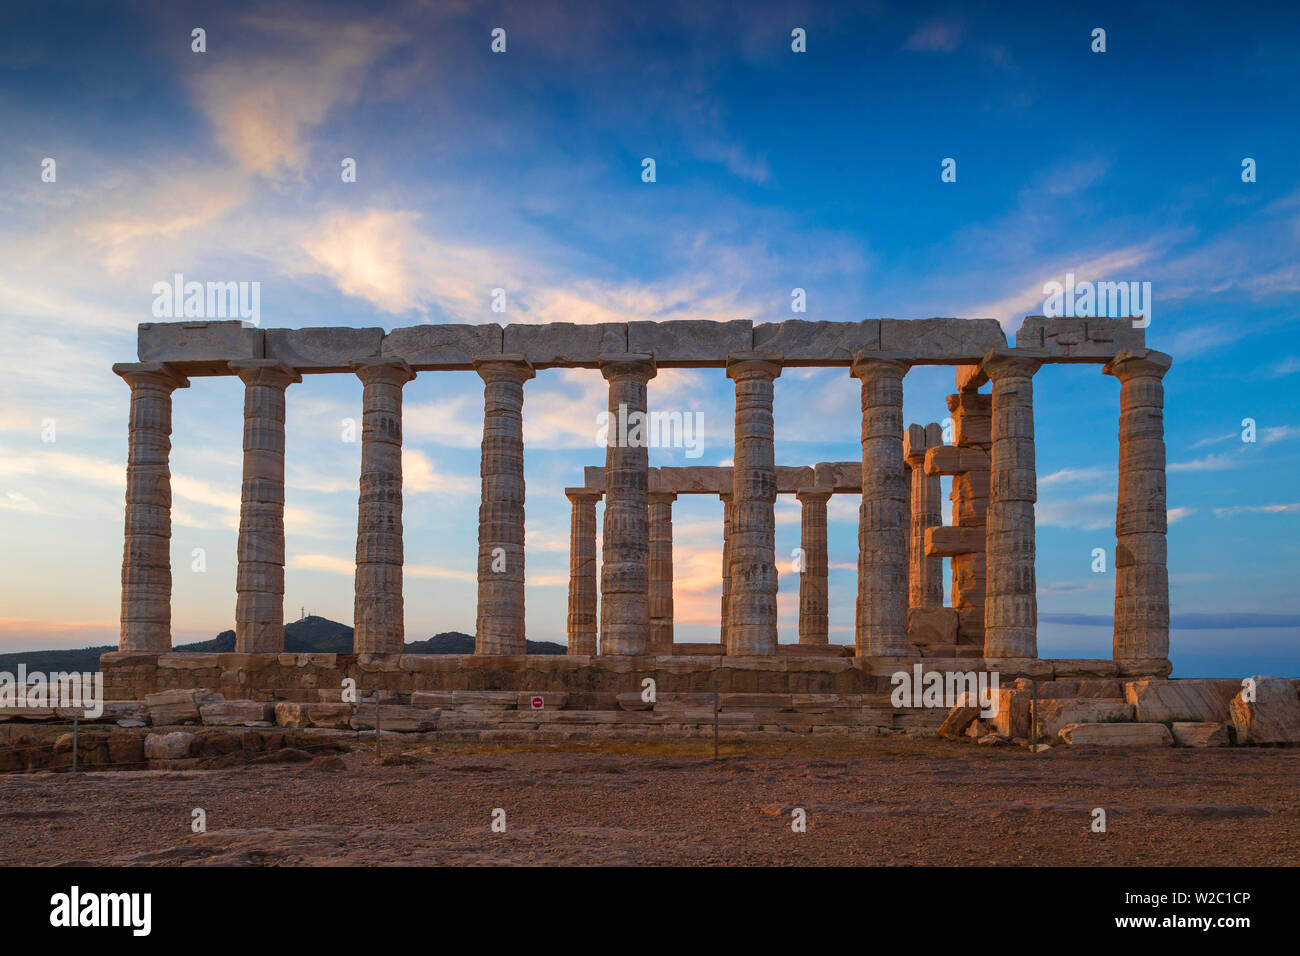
x: 1190, y: 734
x: 1273, y: 717
x: 1117, y: 735
x: 170, y: 746
x: 396, y: 718
x: 959, y: 719
x: 170, y: 707
x: 237, y: 713
x: 284, y: 755
x: 1202, y: 700
x: 331, y: 762
x: 1053, y: 714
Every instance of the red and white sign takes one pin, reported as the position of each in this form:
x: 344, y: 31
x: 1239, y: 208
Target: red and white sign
x: 538, y: 703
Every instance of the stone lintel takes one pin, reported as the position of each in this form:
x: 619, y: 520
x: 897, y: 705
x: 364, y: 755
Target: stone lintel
x: 445, y: 347
x: 199, y: 347
x: 1082, y: 339
x: 320, y: 350
x: 565, y: 344
x: 955, y: 460
x: 690, y: 344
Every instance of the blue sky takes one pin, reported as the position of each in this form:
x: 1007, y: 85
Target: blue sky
x: 522, y: 170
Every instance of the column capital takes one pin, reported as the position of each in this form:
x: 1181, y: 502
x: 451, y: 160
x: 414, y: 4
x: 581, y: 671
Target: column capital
x: 726, y: 496
x: 583, y: 494
x: 867, y: 364
x: 662, y: 497
x: 269, y: 372
x: 383, y: 371
x: 508, y: 367
x: 637, y: 365
x: 754, y: 364
x: 814, y: 494
x: 916, y: 442
x: 1011, y: 363
x: 1138, y: 363
x: 151, y: 373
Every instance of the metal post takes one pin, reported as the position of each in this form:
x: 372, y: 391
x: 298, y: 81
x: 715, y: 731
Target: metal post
x: 378, y: 756
x: 715, y: 719
x: 74, y: 743
x: 1033, y: 714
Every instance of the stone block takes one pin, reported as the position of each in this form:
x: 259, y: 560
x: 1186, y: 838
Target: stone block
x: 941, y: 341
x: 818, y: 343
x: 172, y: 746
x: 842, y: 477
x: 396, y: 718
x: 1117, y: 735
x: 237, y: 713
x: 690, y: 344
x: 949, y: 541
x: 551, y: 700
x: 170, y: 707
x: 1079, y: 339
x: 1055, y: 714
x: 955, y: 460
x: 928, y: 626
x: 1188, y: 734
x: 443, y: 346
x: 1198, y: 699
x: 1273, y: 717
x: 199, y: 347
x: 323, y: 349
x: 565, y: 343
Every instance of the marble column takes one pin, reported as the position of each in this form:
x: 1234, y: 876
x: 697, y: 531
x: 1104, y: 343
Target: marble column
x: 377, y: 615
x: 1011, y: 597
x: 814, y: 592
x: 661, y: 571
x: 881, y: 626
x: 1141, y: 571
x: 146, y: 549
x: 924, y: 574
x: 500, y: 624
x: 259, y: 578
x: 726, y: 563
x: 625, y: 567
x: 582, y: 571
x: 751, y: 630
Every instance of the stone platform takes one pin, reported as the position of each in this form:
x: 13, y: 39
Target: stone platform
x: 131, y: 675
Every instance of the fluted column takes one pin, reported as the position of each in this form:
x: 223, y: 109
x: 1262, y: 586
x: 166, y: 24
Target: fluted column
x: 752, y: 603
x: 582, y: 571
x: 625, y: 571
x: 1141, y: 522
x: 924, y: 574
x: 881, y: 626
x: 377, y: 617
x: 661, y: 571
x: 500, y: 623
x: 1011, y: 597
x: 146, y: 549
x: 259, y: 578
x: 726, y: 563
x: 814, y: 593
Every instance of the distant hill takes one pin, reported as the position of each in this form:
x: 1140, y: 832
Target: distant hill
x: 310, y: 635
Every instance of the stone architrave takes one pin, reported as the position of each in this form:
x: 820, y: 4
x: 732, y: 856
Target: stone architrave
x: 814, y: 592
x: 881, y: 626
x: 751, y: 630
x: 378, y: 619
x: 146, y: 623
x: 661, y: 571
x: 625, y: 567
x: 259, y: 579
x: 500, y: 621
x: 1141, y: 571
x: 582, y: 571
x: 1011, y: 597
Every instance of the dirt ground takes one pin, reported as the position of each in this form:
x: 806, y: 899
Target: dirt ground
x: 887, y: 801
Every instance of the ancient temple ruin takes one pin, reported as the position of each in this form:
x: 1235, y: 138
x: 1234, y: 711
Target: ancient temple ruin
x: 902, y: 541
